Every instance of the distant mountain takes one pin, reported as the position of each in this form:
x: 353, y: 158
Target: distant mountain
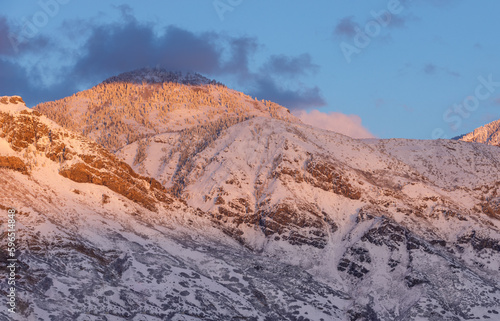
x: 147, y: 102
x: 487, y: 134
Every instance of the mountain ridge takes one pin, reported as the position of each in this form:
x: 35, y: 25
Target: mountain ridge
x: 369, y: 229
x: 161, y: 75
x: 487, y: 134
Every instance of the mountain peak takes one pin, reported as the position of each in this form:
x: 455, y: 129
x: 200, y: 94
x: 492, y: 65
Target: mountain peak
x: 160, y: 75
x: 147, y: 102
x: 487, y: 134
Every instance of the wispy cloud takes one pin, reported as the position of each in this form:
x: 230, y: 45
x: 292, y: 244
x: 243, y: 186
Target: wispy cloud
x: 346, y: 27
x: 11, y: 46
x: 349, y: 125
x: 432, y: 69
x: 290, y: 66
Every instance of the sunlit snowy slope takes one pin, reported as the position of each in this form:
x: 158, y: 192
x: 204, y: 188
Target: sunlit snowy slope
x: 240, y: 211
x: 487, y: 134
x: 92, y: 249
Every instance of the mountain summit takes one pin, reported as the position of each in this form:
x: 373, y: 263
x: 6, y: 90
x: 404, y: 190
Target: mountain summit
x: 160, y: 75
x: 147, y: 102
x: 487, y: 134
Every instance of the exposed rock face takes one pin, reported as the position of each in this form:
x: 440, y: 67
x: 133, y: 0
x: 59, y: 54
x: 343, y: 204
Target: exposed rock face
x: 325, y: 176
x: 479, y: 243
x: 297, y: 226
x: 23, y: 129
x: 80, y: 160
x: 12, y: 100
x: 122, y: 181
x: 14, y: 163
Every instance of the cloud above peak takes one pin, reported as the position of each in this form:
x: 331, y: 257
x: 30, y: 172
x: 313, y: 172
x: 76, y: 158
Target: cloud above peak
x: 294, y: 99
x: 112, y: 49
x: 290, y: 66
x: 109, y: 48
x: 13, y: 43
x: 5, y: 40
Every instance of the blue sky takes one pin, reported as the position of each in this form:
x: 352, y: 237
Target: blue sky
x: 407, y: 75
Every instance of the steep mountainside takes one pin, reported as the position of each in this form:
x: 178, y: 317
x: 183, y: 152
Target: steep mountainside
x: 487, y: 134
x: 96, y: 241
x: 377, y: 216
x: 41, y: 142
x: 146, y: 102
x: 297, y: 223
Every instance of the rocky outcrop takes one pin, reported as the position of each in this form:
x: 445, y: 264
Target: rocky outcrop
x: 300, y: 225
x: 27, y: 132
x: 105, y: 169
x: 23, y: 129
x: 324, y: 175
x: 119, y: 178
x: 12, y: 99
x: 14, y: 163
x: 479, y: 242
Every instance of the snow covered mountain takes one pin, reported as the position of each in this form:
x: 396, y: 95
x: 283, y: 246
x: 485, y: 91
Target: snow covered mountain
x: 253, y: 216
x: 96, y: 241
x: 146, y: 102
x: 487, y: 134
x: 370, y: 217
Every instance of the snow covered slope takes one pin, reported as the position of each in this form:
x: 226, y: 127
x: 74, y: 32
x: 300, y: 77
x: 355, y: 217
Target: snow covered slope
x: 395, y: 223
x: 95, y: 241
x: 83, y: 258
x: 487, y: 134
x: 329, y: 227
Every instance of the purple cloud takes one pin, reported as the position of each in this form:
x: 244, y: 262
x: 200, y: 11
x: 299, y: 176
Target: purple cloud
x: 5, y: 42
x: 114, y: 48
x: 122, y: 47
x: 432, y: 69
x: 14, y: 43
x: 290, y: 66
x: 267, y: 88
x: 346, y: 27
